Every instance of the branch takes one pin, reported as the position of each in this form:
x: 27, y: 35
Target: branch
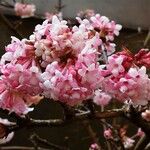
x: 40, y: 140
x: 143, y: 142
x: 147, y: 39
x: 24, y: 122
x: 20, y: 148
x: 91, y: 133
x: 10, y: 26
x: 135, y: 117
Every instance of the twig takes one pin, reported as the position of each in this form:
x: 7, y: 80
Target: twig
x: 33, y: 142
x: 40, y: 140
x: 147, y: 147
x: 147, y: 39
x: 104, y: 127
x: 10, y: 26
x: 142, y: 143
x: 59, y: 6
x: 24, y: 122
x: 135, y: 117
x: 91, y: 133
x: 116, y: 132
x: 20, y: 148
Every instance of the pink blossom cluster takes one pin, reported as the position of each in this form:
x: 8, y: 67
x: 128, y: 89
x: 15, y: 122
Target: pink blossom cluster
x: 20, y: 77
x: 62, y: 63
x: 19, y: 88
x: 70, y: 56
x: 107, y: 31
x: 127, y: 83
x: 24, y: 10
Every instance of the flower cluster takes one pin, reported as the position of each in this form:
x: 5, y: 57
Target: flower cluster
x: 20, y: 77
x: 24, y: 10
x: 107, y: 31
x: 63, y: 63
x: 126, y: 79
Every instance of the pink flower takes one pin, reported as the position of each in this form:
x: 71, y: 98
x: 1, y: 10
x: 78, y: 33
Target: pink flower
x: 20, y: 52
x: 101, y: 98
x: 107, y: 28
x: 146, y: 115
x: 128, y: 142
x: 129, y: 86
x: 76, y: 79
x: 94, y: 146
x: 115, y: 64
x: 143, y: 58
x: 56, y: 41
x: 128, y: 58
x: 108, y: 134
x: 24, y: 10
x: 19, y: 88
x: 140, y: 133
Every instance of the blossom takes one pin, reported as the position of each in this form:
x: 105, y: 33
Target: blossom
x: 140, y: 133
x: 128, y: 58
x: 142, y: 58
x: 20, y: 52
x: 55, y: 43
x: 128, y: 142
x: 94, y: 146
x: 72, y: 83
x: 24, y: 10
x: 146, y: 115
x: 108, y: 134
x: 101, y: 98
x: 75, y: 79
x: 19, y: 88
x: 115, y: 64
x: 107, y: 28
x: 128, y: 85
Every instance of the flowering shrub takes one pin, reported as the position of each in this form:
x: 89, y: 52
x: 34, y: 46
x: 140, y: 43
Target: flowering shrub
x: 56, y: 64
x: 73, y: 65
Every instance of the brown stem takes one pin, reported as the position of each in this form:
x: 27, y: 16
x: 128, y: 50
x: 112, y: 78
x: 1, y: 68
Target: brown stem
x: 104, y: 128
x: 20, y: 148
x: 40, y: 140
x: 59, y: 6
x: 135, y: 117
x: 91, y: 133
x: 147, y: 39
x: 143, y: 142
